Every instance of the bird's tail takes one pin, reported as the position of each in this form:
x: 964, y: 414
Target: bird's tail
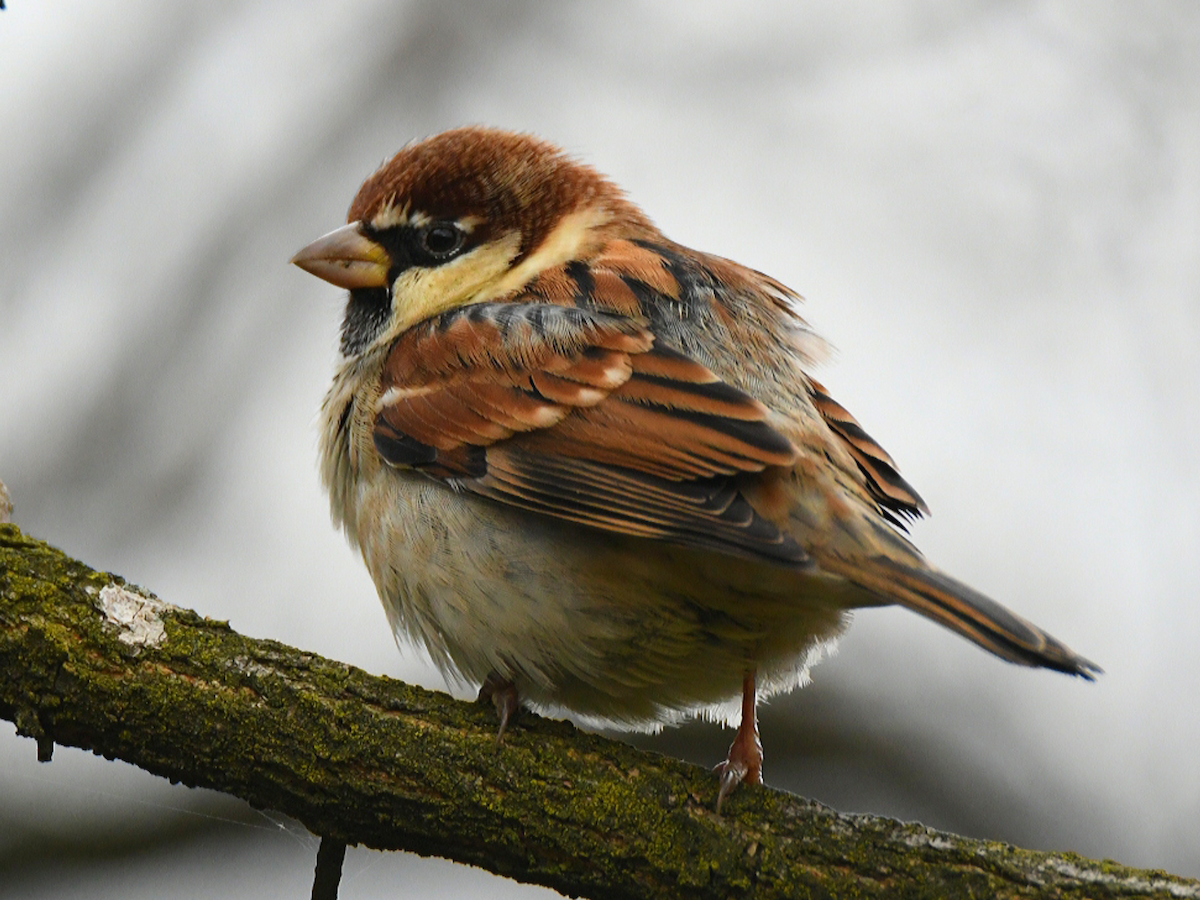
x: 976, y: 617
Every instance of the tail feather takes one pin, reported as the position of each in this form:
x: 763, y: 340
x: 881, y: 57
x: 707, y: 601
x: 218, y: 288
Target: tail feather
x: 973, y: 615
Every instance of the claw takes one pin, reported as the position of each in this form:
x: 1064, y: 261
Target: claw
x: 744, y: 762
x: 731, y: 774
x: 503, y: 694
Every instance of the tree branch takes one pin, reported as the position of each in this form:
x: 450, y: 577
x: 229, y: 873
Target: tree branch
x: 90, y: 661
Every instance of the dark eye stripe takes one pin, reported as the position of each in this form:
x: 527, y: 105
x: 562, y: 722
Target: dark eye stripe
x: 428, y: 246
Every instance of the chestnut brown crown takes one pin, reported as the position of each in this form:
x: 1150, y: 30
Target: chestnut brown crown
x: 503, y: 180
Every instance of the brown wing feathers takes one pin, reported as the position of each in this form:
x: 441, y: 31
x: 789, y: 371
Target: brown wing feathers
x: 627, y: 268
x: 642, y: 435
x: 886, y: 486
x: 459, y: 384
x: 707, y: 513
x: 973, y: 615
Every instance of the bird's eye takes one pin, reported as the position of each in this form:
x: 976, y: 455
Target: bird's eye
x: 441, y: 240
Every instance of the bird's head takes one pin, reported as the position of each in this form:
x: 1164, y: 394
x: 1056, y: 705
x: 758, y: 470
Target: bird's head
x: 463, y: 217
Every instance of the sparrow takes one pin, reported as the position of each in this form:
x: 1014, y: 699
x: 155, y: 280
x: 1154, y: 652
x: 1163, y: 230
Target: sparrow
x: 589, y: 468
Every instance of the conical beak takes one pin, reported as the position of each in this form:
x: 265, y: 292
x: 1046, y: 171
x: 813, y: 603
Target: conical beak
x: 347, y: 258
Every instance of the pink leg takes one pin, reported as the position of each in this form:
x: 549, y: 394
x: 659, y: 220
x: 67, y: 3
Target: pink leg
x: 745, y: 753
x: 503, y: 694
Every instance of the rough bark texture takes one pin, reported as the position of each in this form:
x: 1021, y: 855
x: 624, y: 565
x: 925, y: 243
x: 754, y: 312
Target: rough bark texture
x: 89, y: 661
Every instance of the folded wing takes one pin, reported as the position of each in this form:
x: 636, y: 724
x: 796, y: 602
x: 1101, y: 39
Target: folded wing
x: 584, y: 416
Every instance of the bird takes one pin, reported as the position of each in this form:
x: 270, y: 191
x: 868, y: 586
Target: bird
x: 589, y: 468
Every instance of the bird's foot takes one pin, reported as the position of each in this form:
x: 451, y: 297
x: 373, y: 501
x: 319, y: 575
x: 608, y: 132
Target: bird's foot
x: 745, y: 759
x: 503, y: 695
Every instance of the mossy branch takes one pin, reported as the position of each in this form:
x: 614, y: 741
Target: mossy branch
x: 89, y: 661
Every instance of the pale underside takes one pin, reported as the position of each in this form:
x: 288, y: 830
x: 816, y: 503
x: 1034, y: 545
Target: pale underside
x: 618, y: 630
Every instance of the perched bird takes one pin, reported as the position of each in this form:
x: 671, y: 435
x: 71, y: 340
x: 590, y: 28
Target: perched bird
x: 588, y: 467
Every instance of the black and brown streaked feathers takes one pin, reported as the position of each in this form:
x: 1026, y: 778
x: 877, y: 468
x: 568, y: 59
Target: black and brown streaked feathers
x: 886, y: 486
x: 708, y: 513
x: 581, y: 415
x: 972, y: 614
x: 642, y: 278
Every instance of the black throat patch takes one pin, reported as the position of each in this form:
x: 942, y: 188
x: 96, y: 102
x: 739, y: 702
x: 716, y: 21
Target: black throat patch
x: 367, y: 314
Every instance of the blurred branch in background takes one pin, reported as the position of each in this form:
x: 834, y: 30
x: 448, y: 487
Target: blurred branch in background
x: 90, y: 661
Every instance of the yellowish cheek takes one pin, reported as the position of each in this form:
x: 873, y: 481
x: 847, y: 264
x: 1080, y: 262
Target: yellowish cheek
x: 420, y: 293
x: 487, y: 273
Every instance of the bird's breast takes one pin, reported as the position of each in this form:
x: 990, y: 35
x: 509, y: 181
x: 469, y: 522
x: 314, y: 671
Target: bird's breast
x: 628, y: 630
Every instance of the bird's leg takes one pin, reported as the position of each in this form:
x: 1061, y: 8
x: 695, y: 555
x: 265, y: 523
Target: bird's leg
x: 503, y: 694
x: 745, y: 753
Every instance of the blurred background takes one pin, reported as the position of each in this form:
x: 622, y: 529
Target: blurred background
x: 993, y: 209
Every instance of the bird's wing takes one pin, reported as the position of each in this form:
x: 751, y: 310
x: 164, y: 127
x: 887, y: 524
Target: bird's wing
x: 884, y: 483
x: 678, y: 287
x: 582, y: 415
